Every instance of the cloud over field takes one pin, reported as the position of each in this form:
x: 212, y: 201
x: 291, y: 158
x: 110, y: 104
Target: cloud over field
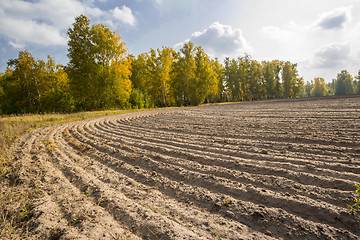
x: 332, y: 55
x: 220, y: 40
x: 334, y: 19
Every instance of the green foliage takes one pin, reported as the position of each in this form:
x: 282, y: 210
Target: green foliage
x: 139, y: 72
x: 239, y: 77
x: 139, y: 99
x: 204, y: 82
x: 99, y: 68
x: 246, y: 79
x: 331, y: 88
x: 355, y: 208
x: 227, y: 202
x: 159, y: 65
x: 307, y: 89
x: 356, y: 84
x: 220, y: 96
x: 271, y: 77
x: 183, y: 74
x: 33, y: 86
x: 231, y: 80
x: 194, y: 78
x: 257, y: 83
x: 344, y: 84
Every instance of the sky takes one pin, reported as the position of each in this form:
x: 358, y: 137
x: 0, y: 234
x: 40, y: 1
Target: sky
x: 321, y: 36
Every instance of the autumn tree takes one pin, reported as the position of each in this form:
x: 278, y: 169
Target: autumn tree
x: 256, y: 80
x: 205, y: 82
x: 244, y: 77
x: 287, y: 78
x: 31, y: 85
x: 183, y: 74
x: 292, y: 84
x: 271, y: 71
x: 232, y: 79
x: 139, y: 71
x: 307, y: 88
x: 319, y: 88
x: 357, y: 84
x: 139, y: 97
x: 158, y: 81
x: 22, y: 86
x: 218, y: 70
x: 99, y: 68
x: 165, y: 61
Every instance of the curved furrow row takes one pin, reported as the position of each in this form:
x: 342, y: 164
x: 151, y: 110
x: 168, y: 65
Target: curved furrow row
x: 257, y: 217
x: 245, y: 144
x: 221, y: 186
x: 230, y: 162
x: 265, y: 181
x: 225, y: 184
x: 143, y: 221
x: 207, y: 166
x: 254, y: 128
x: 262, y: 153
x: 205, y: 224
x: 60, y: 203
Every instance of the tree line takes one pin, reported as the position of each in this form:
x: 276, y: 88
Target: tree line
x: 343, y: 84
x: 101, y: 74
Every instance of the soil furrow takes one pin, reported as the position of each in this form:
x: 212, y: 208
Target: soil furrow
x: 158, y: 202
x: 261, y: 153
x: 246, y: 165
x: 144, y: 222
x: 245, y: 193
x: 278, y: 169
x: 268, y: 182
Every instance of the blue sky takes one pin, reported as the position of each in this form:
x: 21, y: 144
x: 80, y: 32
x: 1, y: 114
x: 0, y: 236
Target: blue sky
x: 322, y: 36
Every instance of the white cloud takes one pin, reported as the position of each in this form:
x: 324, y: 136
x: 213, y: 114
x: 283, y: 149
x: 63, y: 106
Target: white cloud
x: 334, y: 19
x: 124, y: 15
x: 45, y: 22
x: 322, y: 46
x: 220, y: 41
x: 42, y: 22
x: 28, y: 31
x: 331, y: 56
x: 18, y: 45
x: 278, y: 34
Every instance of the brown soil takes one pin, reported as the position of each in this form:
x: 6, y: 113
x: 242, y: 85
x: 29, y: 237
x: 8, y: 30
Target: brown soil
x: 256, y: 170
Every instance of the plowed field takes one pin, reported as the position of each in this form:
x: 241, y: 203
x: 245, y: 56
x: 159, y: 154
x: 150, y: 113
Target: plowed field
x: 256, y: 170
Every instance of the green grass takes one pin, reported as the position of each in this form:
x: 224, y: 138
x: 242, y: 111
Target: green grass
x: 355, y: 208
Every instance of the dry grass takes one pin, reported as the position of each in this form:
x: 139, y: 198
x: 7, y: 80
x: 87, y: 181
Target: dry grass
x: 16, y: 199
x: 12, y: 127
